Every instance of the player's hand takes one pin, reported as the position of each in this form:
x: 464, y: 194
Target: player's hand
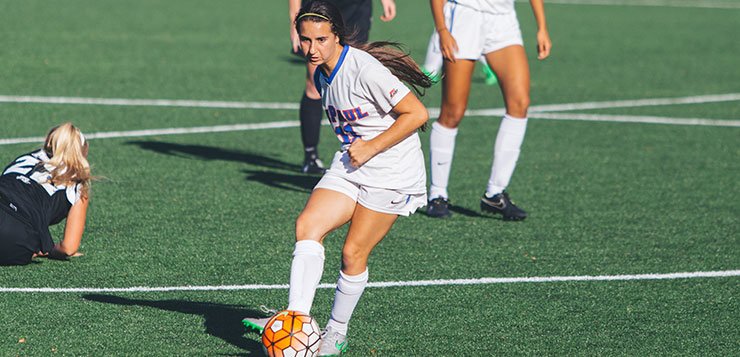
x: 295, y: 41
x: 39, y: 254
x: 447, y: 45
x: 543, y: 44
x: 360, y: 152
x: 389, y: 10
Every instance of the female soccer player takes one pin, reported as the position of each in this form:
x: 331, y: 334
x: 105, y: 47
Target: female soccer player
x: 467, y: 29
x: 377, y: 175
x: 40, y: 189
x: 355, y: 12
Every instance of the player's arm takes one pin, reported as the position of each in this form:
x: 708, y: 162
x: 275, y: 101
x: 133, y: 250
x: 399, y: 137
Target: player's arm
x: 411, y: 116
x: 389, y: 10
x: 73, y: 230
x: 543, y: 36
x: 294, y: 6
x: 447, y: 43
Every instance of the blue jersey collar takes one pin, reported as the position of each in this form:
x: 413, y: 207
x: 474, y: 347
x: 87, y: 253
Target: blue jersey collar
x: 336, y: 68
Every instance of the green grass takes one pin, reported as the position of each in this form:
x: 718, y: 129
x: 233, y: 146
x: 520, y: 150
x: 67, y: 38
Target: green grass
x: 219, y: 209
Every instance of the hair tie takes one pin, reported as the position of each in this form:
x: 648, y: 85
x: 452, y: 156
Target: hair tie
x: 313, y: 14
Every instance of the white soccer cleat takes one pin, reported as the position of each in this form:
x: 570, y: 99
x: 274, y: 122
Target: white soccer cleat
x: 333, y: 343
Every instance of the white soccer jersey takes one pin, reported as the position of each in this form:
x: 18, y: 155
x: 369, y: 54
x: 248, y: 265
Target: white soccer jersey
x: 358, y: 97
x: 489, y: 6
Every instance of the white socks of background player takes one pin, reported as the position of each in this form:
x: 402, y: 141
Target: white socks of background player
x: 442, y: 147
x: 505, y: 153
x: 348, y: 293
x: 305, y: 274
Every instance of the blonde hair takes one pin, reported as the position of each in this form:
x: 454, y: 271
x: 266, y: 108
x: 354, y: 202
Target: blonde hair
x: 66, y: 148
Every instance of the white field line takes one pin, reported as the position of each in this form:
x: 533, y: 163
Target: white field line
x: 147, y: 102
x: 636, y: 119
x: 537, y: 112
x: 630, y: 103
x: 295, y: 123
x: 166, y: 131
x: 389, y: 284
x: 547, y: 108
x: 657, y: 3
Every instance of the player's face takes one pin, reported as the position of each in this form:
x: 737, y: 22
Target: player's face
x: 318, y: 43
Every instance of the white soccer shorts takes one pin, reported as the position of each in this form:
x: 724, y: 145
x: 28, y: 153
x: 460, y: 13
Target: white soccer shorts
x: 478, y: 33
x: 377, y: 199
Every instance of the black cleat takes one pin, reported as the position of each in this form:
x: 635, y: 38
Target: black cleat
x: 439, y: 208
x: 501, y: 204
x: 313, y: 166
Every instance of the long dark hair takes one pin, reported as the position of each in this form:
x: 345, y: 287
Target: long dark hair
x: 390, y: 54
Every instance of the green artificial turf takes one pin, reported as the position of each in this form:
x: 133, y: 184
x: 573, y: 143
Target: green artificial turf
x: 217, y: 209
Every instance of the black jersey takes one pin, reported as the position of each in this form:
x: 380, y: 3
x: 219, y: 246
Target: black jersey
x: 27, y: 193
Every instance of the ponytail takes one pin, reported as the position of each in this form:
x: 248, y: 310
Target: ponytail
x: 400, y: 63
x: 66, y: 148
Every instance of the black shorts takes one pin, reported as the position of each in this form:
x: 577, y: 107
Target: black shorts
x: 16, y: 240
x: 357, y: 16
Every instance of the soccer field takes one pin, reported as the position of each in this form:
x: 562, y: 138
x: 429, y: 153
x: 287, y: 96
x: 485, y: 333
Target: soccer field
x: 630, y: 172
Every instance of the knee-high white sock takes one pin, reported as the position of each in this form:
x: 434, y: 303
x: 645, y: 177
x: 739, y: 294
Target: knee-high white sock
x: 442, y: 148
x: 505, y: 153
x: 348, y: 293
x: 305, y: 274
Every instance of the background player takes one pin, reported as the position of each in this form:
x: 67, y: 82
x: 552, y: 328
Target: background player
x: 468, y: 29
x: 377, y: 175
x: 40, y: 189
x: 358, y: 13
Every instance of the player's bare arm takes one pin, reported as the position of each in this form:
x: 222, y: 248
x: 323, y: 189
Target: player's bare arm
x: 411, y: 116
x: 389, y: 10
x: 543, y: 36
x: 447, y: 43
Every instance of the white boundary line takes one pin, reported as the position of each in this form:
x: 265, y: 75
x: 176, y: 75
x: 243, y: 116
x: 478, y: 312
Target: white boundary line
x: 629, y: 103
x: 295, y: 123
x: 636, y: 119
x: 391, y: 284
x: 656, y: 3
x: 536, y: 112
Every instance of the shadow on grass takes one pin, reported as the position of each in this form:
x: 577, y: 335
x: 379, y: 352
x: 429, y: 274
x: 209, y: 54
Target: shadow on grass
x: 293, y: 180
x: 458, y: 210
x: 222, y: 321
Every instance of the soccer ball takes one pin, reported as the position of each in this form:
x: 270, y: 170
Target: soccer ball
x: 291, y: 334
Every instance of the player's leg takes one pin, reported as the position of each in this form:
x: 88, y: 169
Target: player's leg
x: 511, y: 66
x: 312, y: 225
x: 325, y: 211
x: 14, y: 240
x: 310, y: 114
x: 367, y: 229
x: 455, y: 91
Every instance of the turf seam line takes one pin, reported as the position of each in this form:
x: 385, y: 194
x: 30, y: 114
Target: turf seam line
x: 389, y: 284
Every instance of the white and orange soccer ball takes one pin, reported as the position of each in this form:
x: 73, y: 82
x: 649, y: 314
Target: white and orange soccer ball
x: 291, y: 334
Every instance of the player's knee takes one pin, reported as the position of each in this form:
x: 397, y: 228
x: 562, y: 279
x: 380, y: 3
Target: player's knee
x: 451, y: 117
x: 518, y: 106
x: 353, y: 256
x: 306, y: 229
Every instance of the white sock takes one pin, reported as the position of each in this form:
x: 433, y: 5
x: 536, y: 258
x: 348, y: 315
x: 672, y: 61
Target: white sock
x: 305, y: 274
x: 442, y: 147
x: 505, y: 153
x: 348, y: 293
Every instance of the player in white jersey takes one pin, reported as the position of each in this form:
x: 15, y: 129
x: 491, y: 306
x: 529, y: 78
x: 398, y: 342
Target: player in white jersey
x: 467, y: 29
x: 40, y: 189
x: 358, y: 15
x: 377, y: 175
